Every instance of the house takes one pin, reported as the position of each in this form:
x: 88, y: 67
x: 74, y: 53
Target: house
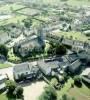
x: 67, y: 42
x: 86, y: 75
x: 3, y: 79
x: 74, y: 67
x: 2, y: 58
x: 4, y: 37
x: 47, y: 67
x: 29, y: 45
x: 14, y: 30
x: 84, y: 55
x: 25, y: 71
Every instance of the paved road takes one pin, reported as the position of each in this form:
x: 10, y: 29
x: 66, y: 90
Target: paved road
x: 8, y: 71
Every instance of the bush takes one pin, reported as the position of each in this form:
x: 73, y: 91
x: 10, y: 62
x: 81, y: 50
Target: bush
x: 3, y: 50
x: 48, y: 94
x: 18, y: 92
x: 10, y: 85
x: 77, y: 81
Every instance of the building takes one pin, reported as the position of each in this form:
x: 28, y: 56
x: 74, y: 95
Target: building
x: 3, y: 79
x: 4, y: 37
x: 74, y: 67
x: 25, y: 71
x: 86, y: 75
x: 47, y: 67
x: 30, y: 45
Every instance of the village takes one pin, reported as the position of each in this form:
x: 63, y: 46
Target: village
x: 44, y: 46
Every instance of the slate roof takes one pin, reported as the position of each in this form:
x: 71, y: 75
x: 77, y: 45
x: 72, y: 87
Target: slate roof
x: 47, y: 67
x: 25, y: 67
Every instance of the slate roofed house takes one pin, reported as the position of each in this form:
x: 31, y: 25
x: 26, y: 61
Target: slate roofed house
x: 27, y: 46
x: 47, y: 67
x: 84, y: 55
x: 4, y: 37
x: 74, y: 67
x: 67, y: 42
x: 71, y: 57
x: 28, y: 70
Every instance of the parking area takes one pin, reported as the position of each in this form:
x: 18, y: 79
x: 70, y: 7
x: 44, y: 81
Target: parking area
x: 31, y: 90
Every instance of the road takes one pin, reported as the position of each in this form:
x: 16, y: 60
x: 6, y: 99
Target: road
x: 8, y: 71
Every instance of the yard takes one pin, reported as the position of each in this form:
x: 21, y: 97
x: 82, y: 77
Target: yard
x: 3, y: 97
x: 82, y: 93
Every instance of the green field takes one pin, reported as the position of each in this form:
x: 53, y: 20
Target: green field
x: 75, y: 36
x: 15, y: 18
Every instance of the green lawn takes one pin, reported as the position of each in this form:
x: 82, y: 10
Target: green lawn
x: 80, y: 93
x: 4, y: 65
x: 65, y: 89
x: 11, y: 56
x: 3, y: 97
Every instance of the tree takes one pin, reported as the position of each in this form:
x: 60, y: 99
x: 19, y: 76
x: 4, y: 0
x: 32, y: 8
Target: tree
x: 10, y: 85
x: 18, y: 92
x: 3, y: 50
x: 27, y: 22
x: 60, y: 49
x: 77, y: 81
x: 48, y: 94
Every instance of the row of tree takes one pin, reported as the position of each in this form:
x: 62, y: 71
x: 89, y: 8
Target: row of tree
x: 14, y: 91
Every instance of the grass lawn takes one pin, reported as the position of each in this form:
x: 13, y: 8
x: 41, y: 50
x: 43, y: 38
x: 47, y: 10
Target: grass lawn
x: 3, y: 97
x: 80, y: 93
x: 12, y: 57
x: 4, y: 65
x: 65, y: 89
